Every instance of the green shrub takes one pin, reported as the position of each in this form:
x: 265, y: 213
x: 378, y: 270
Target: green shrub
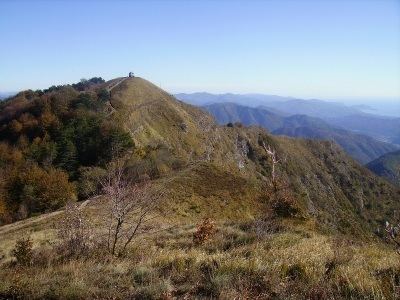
x: 23, y: 251
x: 89, y: 181
x: 295, y: 272
x: 142, y: 275
x: 157, y: 290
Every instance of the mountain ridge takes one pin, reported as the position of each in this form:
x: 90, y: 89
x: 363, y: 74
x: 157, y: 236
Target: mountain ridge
x: 361, y: 147
x: 353, y: 118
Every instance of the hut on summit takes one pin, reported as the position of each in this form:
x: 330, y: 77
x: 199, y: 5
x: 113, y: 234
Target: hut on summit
x: 131, y: 74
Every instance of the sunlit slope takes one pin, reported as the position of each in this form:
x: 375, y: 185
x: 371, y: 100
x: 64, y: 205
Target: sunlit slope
x: 218, y: 170
x: 154, y: 117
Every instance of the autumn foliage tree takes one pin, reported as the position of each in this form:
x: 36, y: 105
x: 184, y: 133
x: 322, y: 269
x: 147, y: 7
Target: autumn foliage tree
x: 23, y: 251
x: 31, y: 189
x: 46, y: 139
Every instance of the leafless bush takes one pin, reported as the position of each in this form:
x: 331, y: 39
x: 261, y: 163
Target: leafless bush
x: 274, y: 160
x: 75, y: 232
x: 278, y: 191
x: 130, y: 207
x: 23, y: 251
x: 264, y: 227
x: 205, y: 230
x: 283, y: 203
x: 392, y: 233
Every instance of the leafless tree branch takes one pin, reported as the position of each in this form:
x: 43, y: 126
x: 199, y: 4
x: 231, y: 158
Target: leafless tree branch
x: 130, y: 206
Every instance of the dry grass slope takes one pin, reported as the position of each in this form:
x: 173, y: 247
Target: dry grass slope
x: 238, y: 262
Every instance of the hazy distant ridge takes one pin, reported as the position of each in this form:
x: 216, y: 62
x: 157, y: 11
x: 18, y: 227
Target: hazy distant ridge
x: 361, y: 147
x: 351, y: 118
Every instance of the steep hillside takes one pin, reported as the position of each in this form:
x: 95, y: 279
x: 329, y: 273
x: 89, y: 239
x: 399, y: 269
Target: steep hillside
x: 361, y: 147
x: 179, y: 141
x: 351, y: 118
x: 226, y: 113
x: 154, y: 117
x: 180, y: 138
x: 388, y: 166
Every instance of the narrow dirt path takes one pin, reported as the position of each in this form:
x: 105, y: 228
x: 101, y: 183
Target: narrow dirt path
x: 116, y: 84
x: 109, y: 89
x: 30, y: 221
x: 27, y: 222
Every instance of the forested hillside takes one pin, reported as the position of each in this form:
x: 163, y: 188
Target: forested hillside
x: 50, y: 141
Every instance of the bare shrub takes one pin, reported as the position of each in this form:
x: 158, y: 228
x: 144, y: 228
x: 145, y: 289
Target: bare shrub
x: 75, y: 232
x: 265, y: 226
x: 274, y: 160
x: 282, y: 202
x: 23, y: 251
x: 343, y: 253
x: 205, y: 230
x: 392, y: 233
x: 130, y: 207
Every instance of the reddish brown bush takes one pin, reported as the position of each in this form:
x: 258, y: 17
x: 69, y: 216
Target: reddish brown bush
x: 205, y: 230
x: 281, y: 202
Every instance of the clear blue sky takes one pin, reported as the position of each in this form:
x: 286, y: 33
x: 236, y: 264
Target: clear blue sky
x: 321, y: 49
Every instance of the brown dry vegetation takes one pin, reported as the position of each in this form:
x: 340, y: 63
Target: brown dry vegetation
x: 293, y: 262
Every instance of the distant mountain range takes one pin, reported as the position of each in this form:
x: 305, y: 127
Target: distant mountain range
x: 252, y: 100
x: 361, y: 147
x: 278, y: 104
x: 388, y: 166
x: 351, y: 118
